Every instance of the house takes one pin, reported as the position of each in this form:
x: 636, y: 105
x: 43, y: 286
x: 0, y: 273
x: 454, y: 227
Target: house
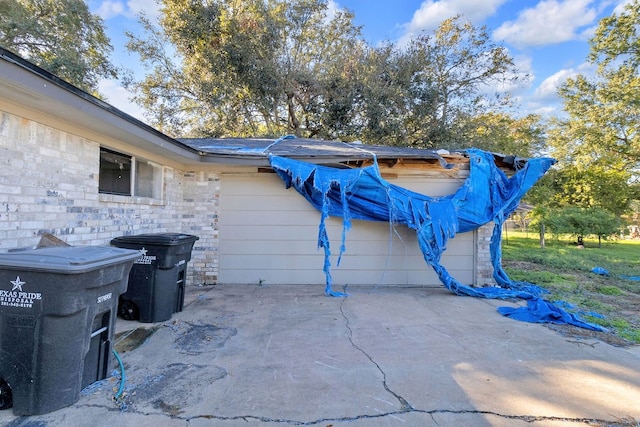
x: 80, y: 169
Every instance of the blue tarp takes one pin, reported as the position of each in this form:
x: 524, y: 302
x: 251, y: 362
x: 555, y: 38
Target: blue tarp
x: 604, y: 272
x: 487, y: 195
x: 539, y: 310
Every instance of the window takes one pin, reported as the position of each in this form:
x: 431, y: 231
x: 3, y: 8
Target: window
x: 148, y: 182
x: 115, y: 173
x: 129, y: 176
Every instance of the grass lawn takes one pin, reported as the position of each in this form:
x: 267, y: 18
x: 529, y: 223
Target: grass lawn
x: 565, y: 270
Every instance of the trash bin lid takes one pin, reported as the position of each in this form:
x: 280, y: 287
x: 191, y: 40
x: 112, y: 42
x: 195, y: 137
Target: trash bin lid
x: 66, y: 260
x: 160, y: 239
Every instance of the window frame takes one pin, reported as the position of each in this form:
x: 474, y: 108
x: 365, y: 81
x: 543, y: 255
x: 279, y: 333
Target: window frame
x: 155, y: 184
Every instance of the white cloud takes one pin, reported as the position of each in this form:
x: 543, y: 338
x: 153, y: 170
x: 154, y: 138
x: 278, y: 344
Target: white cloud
x: 109, y: 9
x: 545, y: 110
x: 432, y: 12
x: 332, y: 8
x: 548, y: 89
x: 620, y: 6
x: 130, y: 9
x: 150, y: 8
x: 549, y: 22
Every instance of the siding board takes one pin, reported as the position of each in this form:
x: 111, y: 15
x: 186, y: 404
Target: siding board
x: 269, y: 234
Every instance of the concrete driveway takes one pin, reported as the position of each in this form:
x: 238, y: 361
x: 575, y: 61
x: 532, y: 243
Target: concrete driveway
x: 288, y: 355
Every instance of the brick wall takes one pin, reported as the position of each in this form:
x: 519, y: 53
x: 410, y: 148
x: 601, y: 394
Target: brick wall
x: 49, y: 184
x: 484, y: 268
x: 200, y: 200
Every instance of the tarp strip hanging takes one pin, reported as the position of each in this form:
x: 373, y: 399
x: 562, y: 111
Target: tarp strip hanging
x: 487, y: 195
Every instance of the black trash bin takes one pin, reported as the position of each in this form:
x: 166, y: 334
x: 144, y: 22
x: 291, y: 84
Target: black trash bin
x: 58, y: 309
x: 157, y: 279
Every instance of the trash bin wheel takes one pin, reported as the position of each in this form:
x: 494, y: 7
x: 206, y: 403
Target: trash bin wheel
x: 6, y: 398
x: 128, y: 310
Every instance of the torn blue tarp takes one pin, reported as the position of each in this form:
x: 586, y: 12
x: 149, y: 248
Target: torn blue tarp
x: 604, y: 272
x: 539, y: 310
x: 487, y: 195
x: 600, y: 271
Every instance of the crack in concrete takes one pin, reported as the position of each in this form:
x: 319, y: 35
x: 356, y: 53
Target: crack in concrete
x: 526, y: 418
x: 404, y: 405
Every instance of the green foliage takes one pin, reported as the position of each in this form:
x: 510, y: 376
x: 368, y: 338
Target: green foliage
x: 460, y: 60
x: 598, y: 143
x: 610, y: 290
x: 248, y: 68
x: 268, y: 68
x: 502, y: 133
x: 61, y: 36
x: 536, y: 276
x: 593, y: 189
x: 581, y: 222
x: 396, y: 99
x: 602, y: 127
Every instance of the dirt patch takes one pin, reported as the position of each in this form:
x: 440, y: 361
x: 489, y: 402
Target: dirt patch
x: 581, y: 335
x: 130, y: 340
x: 615, y: 298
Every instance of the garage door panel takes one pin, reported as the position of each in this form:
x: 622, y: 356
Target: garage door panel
x: 266, y: 202
x: 414, y: 262
x: 277, y: 277
x: 261, y: 262
x: 271, y: 217
x: 381, y: 277
x: 428, y: 186
x: 340, y: 278
x: 270, y: 232
x: 430, y: 278
x: 308, y: 231
x: 297, y: 246
x: 271, y: 248
x: 250, y: 185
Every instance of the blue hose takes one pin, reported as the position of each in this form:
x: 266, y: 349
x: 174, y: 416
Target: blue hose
x: 122, y: 375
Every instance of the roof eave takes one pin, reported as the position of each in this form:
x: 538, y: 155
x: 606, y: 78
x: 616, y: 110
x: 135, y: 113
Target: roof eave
x: 36, y: 89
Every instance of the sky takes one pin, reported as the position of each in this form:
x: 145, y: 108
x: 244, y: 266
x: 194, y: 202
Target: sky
x: 548, y: 39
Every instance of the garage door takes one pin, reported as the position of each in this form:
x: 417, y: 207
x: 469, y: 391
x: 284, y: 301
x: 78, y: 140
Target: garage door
x: 268, y: 234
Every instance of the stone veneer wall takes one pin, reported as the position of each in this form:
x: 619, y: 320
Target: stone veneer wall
x: 49, y: 184
x: 484, y: 268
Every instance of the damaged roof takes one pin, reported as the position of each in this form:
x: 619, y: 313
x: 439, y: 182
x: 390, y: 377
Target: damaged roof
x: 256, y: 151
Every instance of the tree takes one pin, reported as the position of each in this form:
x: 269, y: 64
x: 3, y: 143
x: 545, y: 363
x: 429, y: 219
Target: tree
x: 598, y: 143
x: 595, y: 187
x: 603, y: 124
x: 463, y: 65
x: 268, y: 68
x: 247, y: 67
x: 61, y: 36
x: 398, y: 101
x: 500, y: 132
x: 581, y: 223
